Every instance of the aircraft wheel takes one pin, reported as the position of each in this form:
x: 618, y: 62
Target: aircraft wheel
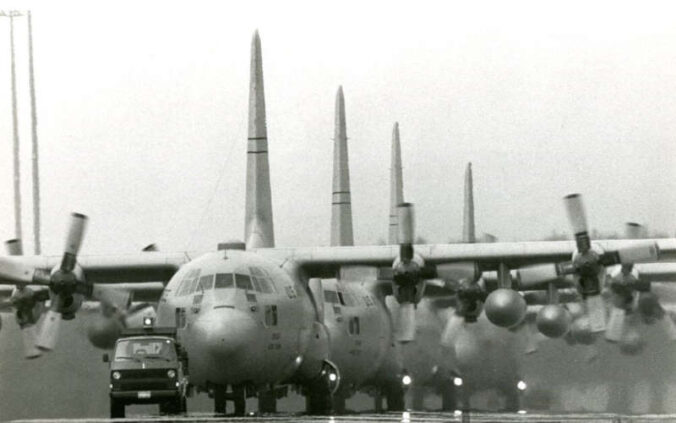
x: 449, y: 398
x: 116, y: 409
x: 267, y: 402
x: 318, y: 403
x: 240, y: 401
x: 219, y: 400
x: 512, y: 400
x: 395, y: 398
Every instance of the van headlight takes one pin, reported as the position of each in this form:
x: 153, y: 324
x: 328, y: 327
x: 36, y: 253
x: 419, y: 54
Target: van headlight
x: 171, y: 374
x: 117, y: 375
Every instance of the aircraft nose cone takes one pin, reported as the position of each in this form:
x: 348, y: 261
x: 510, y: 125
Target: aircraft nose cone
x: 225, y: 332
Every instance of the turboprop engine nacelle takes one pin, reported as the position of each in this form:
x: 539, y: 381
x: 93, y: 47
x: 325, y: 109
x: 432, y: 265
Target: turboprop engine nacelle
x: 64, y: 286
x: 505, y: 307
x: 459, y: 271
x: 407, y: 286
x: 553, y: 321
x: 580, y: 331
x: 103, y: 331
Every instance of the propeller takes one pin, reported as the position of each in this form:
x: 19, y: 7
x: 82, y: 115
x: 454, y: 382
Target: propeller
x: 628, y: 293
x: 28, y: 306
x: 470, y: 297
x: 588, y: 264
x: 409, y: 273
x: 66, y: 285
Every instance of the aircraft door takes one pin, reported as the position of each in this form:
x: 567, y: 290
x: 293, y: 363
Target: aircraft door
x: 316, y: 351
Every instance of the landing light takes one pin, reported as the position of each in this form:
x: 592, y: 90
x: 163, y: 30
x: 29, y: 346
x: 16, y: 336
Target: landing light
x: 406, y: 380
x: 522, y: 412
x: 148, y: 322
x: 521, y: 386
x: 457, y: 381
x: 299, y: 360
x: 332, y: 377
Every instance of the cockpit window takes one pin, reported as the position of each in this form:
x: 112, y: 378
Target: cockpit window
x: 206, y: 282
x: 189, y: 283
x: 224, y: 280
x: 243, y: 282
x: 261, y: 280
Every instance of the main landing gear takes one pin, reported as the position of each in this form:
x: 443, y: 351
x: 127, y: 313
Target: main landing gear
x: 236, y: 396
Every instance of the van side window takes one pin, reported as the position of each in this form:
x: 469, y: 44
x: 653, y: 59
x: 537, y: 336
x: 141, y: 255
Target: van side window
x: 224, y: 280
x: 243, y: 282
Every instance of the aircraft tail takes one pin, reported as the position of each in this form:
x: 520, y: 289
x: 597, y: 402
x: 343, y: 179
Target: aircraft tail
x: 468, y: 234
x: 258, y: 224
x: 341, y: 207
x: 396, y: 186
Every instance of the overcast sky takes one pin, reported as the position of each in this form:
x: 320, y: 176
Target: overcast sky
x: 142, y: 111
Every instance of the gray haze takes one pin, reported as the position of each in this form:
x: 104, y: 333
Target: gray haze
x: 142, y: 116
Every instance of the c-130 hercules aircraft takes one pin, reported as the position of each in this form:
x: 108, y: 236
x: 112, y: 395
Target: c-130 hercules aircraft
x: 253, y: 317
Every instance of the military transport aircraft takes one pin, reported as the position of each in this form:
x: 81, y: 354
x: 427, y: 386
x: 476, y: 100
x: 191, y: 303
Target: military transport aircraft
x: 254, y: 317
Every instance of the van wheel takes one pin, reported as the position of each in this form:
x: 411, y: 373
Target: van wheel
x: 116, y: 409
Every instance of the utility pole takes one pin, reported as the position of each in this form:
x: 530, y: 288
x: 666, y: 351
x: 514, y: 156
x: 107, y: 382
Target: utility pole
x: 17, y: 175
x: 34, y: 133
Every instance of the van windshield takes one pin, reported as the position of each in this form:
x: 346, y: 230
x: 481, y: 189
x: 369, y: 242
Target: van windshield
x: 145, y: 348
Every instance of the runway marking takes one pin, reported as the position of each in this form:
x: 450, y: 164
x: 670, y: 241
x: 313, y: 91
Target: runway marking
x: 406, y: 417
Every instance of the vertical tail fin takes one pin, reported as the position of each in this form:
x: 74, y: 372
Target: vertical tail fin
x: 396, y: 185
x: 258, y: 225
x: 341, y: 207
x: 468, y: 212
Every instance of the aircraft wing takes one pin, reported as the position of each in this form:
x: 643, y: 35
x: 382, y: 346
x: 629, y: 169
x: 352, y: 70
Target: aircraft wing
x: 129, y: 268
x: 323, y: 261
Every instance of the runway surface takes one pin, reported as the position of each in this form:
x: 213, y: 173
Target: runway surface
x: 406, y: 417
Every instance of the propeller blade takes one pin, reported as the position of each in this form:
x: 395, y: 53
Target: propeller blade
x: 406, y: 322
x: 111, y: 297
x: 669, y: 326
x: 638, y: 253
x: 533, y: 338
x: 578, y: 219
x: 13, y: 271
x: 29, y: 336
x: 633, y: 230
x: 451, y: 330
x: 530, y: 276
x: 406, y: 223
x: 14, y: 247
x: 48, y: 332
x: 616, y: 324
x: 78, y: 224
x: 596, y: 311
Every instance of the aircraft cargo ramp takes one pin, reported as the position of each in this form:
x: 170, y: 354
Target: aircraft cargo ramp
x: 406, y: 417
